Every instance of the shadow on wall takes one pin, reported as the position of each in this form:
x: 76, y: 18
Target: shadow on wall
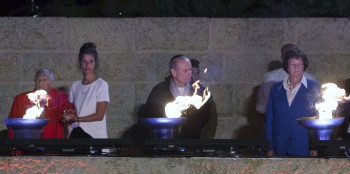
x: 3, y: 138
x: 136, y: 133
x: 256, y: 121
x: 273, y: 65
x: 3, y: 134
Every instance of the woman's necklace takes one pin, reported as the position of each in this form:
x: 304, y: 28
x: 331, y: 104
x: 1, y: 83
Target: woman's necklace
x: 85, y: 88
x: 290, y: 85
x: 85, y: 85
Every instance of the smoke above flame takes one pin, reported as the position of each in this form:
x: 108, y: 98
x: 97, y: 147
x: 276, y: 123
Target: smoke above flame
x: 40, y: 99
x: 331, y: 96
x: 174, y: 109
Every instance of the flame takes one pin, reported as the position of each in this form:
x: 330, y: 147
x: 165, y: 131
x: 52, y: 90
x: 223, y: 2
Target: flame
x: 331, y: 95
x: 174, y: 109
x: 39, y: 98
x: 205, y: 70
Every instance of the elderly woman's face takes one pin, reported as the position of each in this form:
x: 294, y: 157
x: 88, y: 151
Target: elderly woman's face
x: 295, y: 67
x: 43, y: 81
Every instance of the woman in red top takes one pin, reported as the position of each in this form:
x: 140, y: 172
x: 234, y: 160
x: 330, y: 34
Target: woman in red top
x: 57, y: 103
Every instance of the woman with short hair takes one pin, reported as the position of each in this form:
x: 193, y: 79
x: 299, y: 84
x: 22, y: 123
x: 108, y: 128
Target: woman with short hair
x: 292, y: 98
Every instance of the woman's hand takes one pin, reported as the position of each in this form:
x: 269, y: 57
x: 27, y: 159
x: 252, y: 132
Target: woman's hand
x: 69, y: 116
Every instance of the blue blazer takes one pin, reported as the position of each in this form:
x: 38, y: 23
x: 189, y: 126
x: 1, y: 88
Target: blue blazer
x: 286, y: 136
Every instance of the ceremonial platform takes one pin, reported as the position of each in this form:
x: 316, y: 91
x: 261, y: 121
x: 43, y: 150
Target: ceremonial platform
x: 163, y: 165
x: 163, y: 156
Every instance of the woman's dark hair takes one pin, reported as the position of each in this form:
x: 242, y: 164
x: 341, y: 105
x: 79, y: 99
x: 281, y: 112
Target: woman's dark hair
x: 195, y: 63
x: 88, y: 48
x: 294, y: 53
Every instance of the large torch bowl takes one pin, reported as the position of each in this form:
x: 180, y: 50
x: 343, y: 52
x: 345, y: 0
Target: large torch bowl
x: 323, y: 127
x: 163, y: 128
x: 26, y: 128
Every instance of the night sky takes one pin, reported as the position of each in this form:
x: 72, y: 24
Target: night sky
x: 176, y: 8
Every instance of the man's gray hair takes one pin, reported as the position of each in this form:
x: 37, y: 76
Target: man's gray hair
x: 45, y: 71
x: 174, y: 60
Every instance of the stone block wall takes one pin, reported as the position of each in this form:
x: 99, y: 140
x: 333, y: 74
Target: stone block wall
x: 134, y: 55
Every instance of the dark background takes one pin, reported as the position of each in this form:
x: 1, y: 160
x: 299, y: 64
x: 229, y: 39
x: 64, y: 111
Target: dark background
x: 176, y: 8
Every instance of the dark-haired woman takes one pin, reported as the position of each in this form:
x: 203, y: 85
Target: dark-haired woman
x: 90, y: 97
x: 290, y: 99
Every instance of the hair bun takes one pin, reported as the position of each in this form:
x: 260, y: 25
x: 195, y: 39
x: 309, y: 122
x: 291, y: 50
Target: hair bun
x: 88, y: 47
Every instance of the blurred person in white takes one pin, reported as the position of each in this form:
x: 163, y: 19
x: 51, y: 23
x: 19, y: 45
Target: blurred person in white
x: 90, y: 97
x: 272, y: 77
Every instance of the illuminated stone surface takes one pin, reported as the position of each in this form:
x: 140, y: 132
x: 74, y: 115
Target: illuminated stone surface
x: 135, y: 52
x: 50, y: 164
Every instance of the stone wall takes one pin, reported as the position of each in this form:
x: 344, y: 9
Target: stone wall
x: 194, y: 165
x: 135, y: 52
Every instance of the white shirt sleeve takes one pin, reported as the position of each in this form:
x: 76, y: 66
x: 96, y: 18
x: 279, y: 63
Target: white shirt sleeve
x: 103, y: 93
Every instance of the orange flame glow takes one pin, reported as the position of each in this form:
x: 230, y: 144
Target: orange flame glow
x: 181, y: 103
x: 331, y: 96
x: 39, y: 98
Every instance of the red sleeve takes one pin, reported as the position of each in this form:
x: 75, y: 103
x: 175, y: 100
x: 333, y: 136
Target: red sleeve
x: 14, y: 108
x: 64, y: 103
x: 58, y: 103
x: 18, y: 109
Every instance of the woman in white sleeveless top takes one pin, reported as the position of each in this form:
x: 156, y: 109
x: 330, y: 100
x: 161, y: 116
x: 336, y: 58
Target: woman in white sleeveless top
x: 90, y: 97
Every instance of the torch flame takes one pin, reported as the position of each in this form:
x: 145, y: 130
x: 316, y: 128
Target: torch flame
x: 39, y: 98
x: 181, y: 103
x: 331, y: 95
